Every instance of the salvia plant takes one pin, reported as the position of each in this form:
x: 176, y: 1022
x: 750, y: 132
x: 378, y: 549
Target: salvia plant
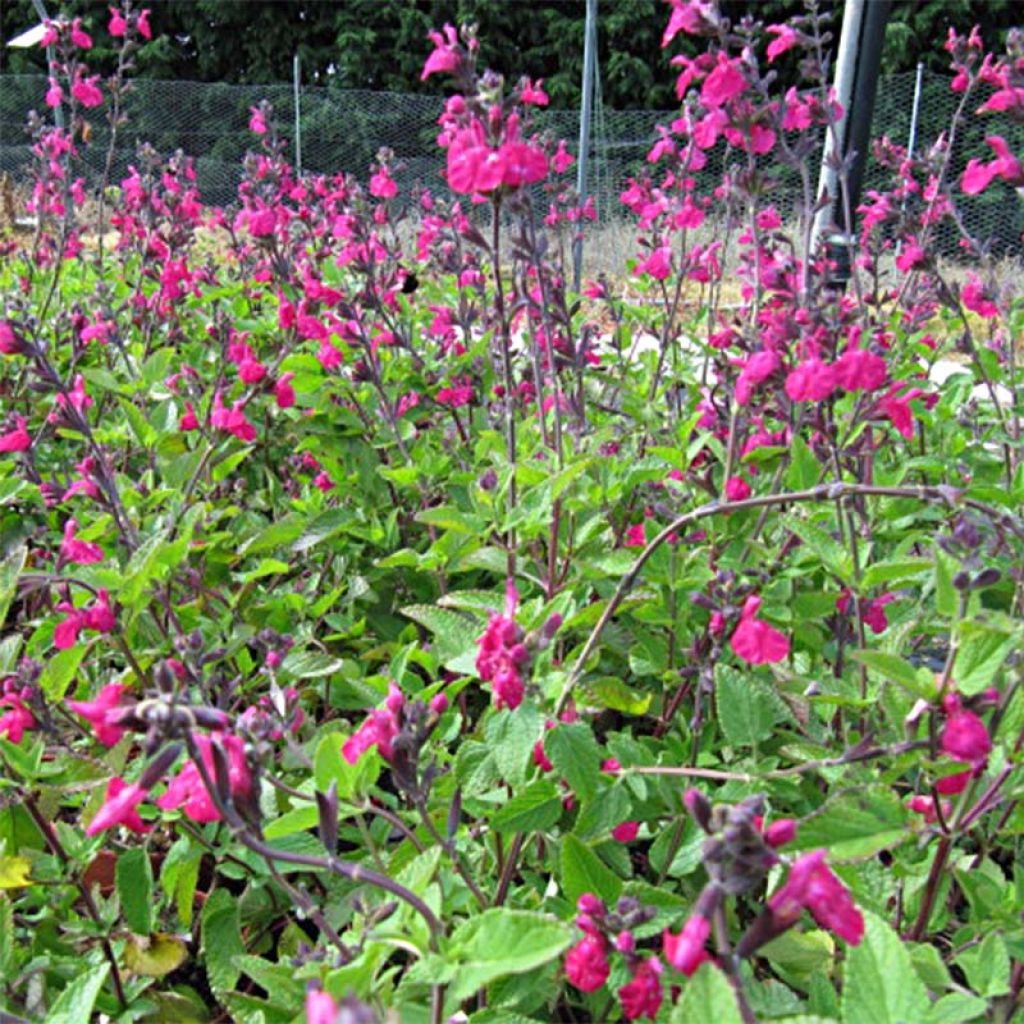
x: 392, y: 633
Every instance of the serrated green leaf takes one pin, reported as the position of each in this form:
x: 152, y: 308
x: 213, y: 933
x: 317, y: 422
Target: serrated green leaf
x: 584, y: 871
x: 981, y: 653
x: 612, y: 693
x: 10, y: 570
x: 75, y: 1004
x: 456, y: 636
x: 896, y: 569
x: 856, y: 825
x: 512, y: 736
x: 956, y: 1008
x: 747, y: 710
x: 319, y: 529
x: 574, y: 752
x: 880, y: 985
x: 134, y: 877
x: 60, y: 670
x: 224, y: 467
x: 987, y: 966
x: 892, y: 666
x: 330, y: 766
x: 707, y: 996
x: 534, y: 808
x: 221, y: 940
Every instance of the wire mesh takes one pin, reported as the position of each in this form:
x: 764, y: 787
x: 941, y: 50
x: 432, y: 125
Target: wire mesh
x: 342, y: 130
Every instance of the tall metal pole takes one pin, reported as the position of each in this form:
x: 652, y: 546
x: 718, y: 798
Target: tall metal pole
x: 856, y: 80
x: 296, y: 75
x: 912, y: 141
x: 586, y: 115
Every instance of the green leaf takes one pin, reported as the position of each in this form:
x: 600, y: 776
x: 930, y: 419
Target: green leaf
x: 574, y: 752
x: 982, y: 652
x: 804, y: 467
x: 584, y: 871
x: 325, y: 525
x: 747, y: 710
x: 141, y: 569
x: 154, y: 956
x: 880, y: 985
x: 74, y: 1005
x: 500, y: 942
x: 832, y: 554
x: 221, y: 940
x: 987, y: 966
x: 135, y: 889
x: 330, y: 766
x: 60, y: 670
x: 224, y: 467
x: 10, y: 570
x: 856, y: 825
x: 896, y: 569
x: 456, y: 636
x: 532, y: 809
x: 7, y: 939
x: 919, y: 682
x: 946, y: 598
x: 707, y: 996
x: 512, y: 736
x: 612, y: 693
x: 956, y: 1008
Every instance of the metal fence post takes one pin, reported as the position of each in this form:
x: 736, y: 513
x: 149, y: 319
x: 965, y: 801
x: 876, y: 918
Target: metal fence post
x: 586, y: 113
x: 911, y: 142
x: 296, y: 75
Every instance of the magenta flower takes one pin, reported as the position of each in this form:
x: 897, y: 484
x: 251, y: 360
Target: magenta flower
x: 98, y: 616
x: 502, y: 655
x: 455, y: 397
x: 18, y: 720
x: 17, y: 440
x: 320, y: 1007
x: 736, y: 489
x: 975, y: 298
x: 635, y: 536
x: 758, y: 368
x: 658, y: 264
x: 689, y: 16
x: 685, y: 951
x: 117, y: 26
x: 786, y: 40
x: 284, y: 393
x: 860, y: 370
x: 257, y: 123
x: 978, y: 176
x: 142, y: 24
x: 86, y: 91
x: 379, y: 728
x: 965, y: 737
x: 102, y: 713
x: 725, y: 83
x: 187, y: 790
x: 626, y: 831
x: 79, y: 37
x: 642, y: 996
x: 78, y: 552
x: 188, y: 420
x: 445, y: 56
x: 232, y: 420
x: 754, y: 640
x: 812, y: 885
x: 119, y: 808
x: 54, y: 95
x: 586, y: 964
x: 382, y: 185
x: 811, y: 381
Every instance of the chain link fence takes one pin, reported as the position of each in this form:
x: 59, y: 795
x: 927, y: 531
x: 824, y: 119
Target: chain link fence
x: 342, y: 130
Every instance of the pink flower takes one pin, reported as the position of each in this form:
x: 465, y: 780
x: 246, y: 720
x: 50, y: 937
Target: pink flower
x: 86, y: 91
x: 812, y: 885
x: 533, y: 93
x: 860, y: 370
x: 379, y: 729
x: 965, y: 738
x: 977, y: 177
x: 98, y: 616
x: 725, y: 82
x: 232, y: 420
x: 10, y: 343
x: 974, y: 297
x: 586, y: 964
x: 780, y: 832
x: 119, y: 808
x: 17, y: 440
x: 55, y: 94
x: 754, y: 640
x: 257, y: 122
x: 642, y: 996
x: 455, y: 397
x: 101, y: 713
x: 382, y: 185
x: 143, y: 24
x: 737, y: 489
x: 759, y: 367
x: 896, y: 408
x: 320, y: 1007
x: 445, y: 57
x: 689, y: 16
x: 635, y: 536
x: 658, y: 264
x: 80, y: 38
x: 284, y: 393
x: 786, y: 40
x: 910, y: 257
x: 502, y: 655
x: 78, y: 552
x: 685, y: 951
x: 626, y: 831
x: 811, y: 381
x: 189, y: 420
x: 15, y: 722
x: 117, y: 26
x: 187, y: 790
x: 925, y: 806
